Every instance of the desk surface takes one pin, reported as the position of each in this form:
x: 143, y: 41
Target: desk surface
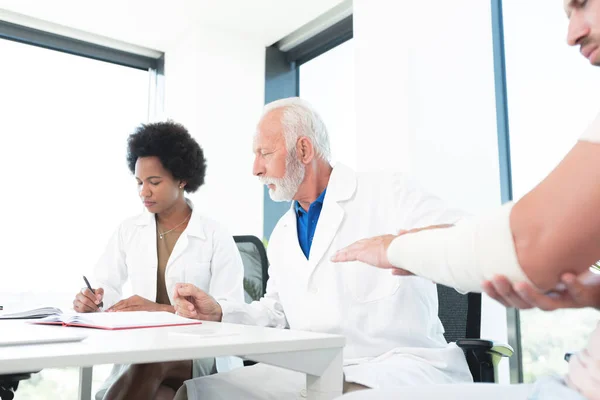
x: 210, y: 339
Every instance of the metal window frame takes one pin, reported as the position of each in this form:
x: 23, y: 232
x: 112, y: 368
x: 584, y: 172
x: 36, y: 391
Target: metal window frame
x: 52, y: 41
x: 324, y: 41
x: 502, y: 123
x: 156, y: 90
x: 282, y: 79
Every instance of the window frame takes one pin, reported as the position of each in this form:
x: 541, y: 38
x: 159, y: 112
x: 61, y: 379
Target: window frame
x: 52, y: 41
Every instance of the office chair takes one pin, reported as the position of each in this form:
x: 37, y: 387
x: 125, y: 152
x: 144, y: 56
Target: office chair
x: 256, y: 269
x: 461, y: 317
x: 256, y: 266
x: 10, y: 383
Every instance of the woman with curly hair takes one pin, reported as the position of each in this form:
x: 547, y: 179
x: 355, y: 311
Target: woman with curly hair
x: 169, y: 243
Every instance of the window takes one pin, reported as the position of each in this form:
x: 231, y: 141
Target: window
x: 551, y: 100
x: 66, y: 186
x: 327, y: 82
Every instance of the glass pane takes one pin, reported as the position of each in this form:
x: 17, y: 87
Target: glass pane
x: 327, y: 82
x: 66, y: 186
x: 551, y: 100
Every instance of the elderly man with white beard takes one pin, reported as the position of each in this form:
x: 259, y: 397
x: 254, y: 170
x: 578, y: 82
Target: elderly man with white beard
x: 394, y: 337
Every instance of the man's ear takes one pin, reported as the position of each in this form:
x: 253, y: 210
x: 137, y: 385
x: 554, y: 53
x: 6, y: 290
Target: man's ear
x: 305, y: 150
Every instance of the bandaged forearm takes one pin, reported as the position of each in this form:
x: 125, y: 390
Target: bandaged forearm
x: 463, y: 256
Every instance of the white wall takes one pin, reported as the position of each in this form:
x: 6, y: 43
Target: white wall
x: 215, y: 87
x: 425, y: 104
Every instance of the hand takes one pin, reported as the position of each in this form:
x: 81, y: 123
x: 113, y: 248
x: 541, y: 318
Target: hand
x: 86, y: 301
x: 191, y: 302
x: 138, y: 303
x: 573, y: 292
x: 373, y: 251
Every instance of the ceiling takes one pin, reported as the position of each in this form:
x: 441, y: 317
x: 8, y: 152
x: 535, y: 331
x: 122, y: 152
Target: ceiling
x: 157, y: 23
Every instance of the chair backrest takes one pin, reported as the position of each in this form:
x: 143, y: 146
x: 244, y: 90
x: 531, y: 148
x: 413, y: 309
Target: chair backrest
x: 256, y: 266
x: 461, y: 317
x: 460, y: 313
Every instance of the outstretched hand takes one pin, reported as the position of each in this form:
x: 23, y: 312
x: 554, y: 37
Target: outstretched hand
x: 373, y: 251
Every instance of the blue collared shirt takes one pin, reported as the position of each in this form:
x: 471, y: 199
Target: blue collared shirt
x: 307, y: 222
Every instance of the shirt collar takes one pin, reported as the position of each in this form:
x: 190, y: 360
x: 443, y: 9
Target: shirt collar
x: 300, y: 211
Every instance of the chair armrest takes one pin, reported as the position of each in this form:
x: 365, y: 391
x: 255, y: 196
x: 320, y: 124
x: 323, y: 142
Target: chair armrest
x: 474, y: 344
x: 501, y: 349
x: 483, y: 357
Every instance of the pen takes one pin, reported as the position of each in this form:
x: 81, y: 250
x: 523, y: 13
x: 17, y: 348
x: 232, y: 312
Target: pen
x: 89, y: 287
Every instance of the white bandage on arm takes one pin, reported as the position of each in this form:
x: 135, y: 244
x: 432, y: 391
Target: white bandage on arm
x: 592, y: 133
x: 462, y: 256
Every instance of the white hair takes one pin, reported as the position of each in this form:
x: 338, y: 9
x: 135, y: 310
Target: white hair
x: 300, y: 119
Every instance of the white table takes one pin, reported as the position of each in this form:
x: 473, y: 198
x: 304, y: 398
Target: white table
x: 317, y: 355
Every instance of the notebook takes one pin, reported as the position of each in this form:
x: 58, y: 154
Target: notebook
x: 117, y: 320
x: 34, y: 313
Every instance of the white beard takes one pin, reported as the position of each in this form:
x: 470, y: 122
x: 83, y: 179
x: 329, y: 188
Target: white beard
x: 286, y: 187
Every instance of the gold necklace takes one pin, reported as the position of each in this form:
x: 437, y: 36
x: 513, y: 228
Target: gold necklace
x: 162, y: 234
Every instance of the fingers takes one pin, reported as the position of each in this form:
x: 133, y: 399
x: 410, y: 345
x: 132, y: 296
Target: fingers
x: 87, y: 293
x: 176, y: 292
x: 401, y: 272
x: 121, y: 305
x: 544, y: 301
x: 85, y: 301
x: 187, y: 289
x: 509, y: 297
x: 135, y: 303
x: 577, y: 290
x: 490, y: 290
x: 81, y: 306
x: 99, y: 294
x: 524, y: 296
x: 372, y: 251
x: 184, y: 308
x: 348, y: 253
x: 572, y: 284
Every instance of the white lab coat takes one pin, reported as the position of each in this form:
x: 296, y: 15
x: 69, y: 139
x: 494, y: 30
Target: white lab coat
x: 393, y: 333
x: 205, y: 255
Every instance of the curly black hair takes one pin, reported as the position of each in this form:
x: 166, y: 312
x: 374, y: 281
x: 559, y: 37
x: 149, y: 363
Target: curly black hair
x: 178, y: 152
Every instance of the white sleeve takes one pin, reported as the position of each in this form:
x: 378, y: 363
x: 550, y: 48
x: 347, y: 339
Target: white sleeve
x: 110, y: 272
x: 592, y: 133
x: 227, y: 270
x: 463, y: 256
x: 226, y: 282
x: 267, y: 311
